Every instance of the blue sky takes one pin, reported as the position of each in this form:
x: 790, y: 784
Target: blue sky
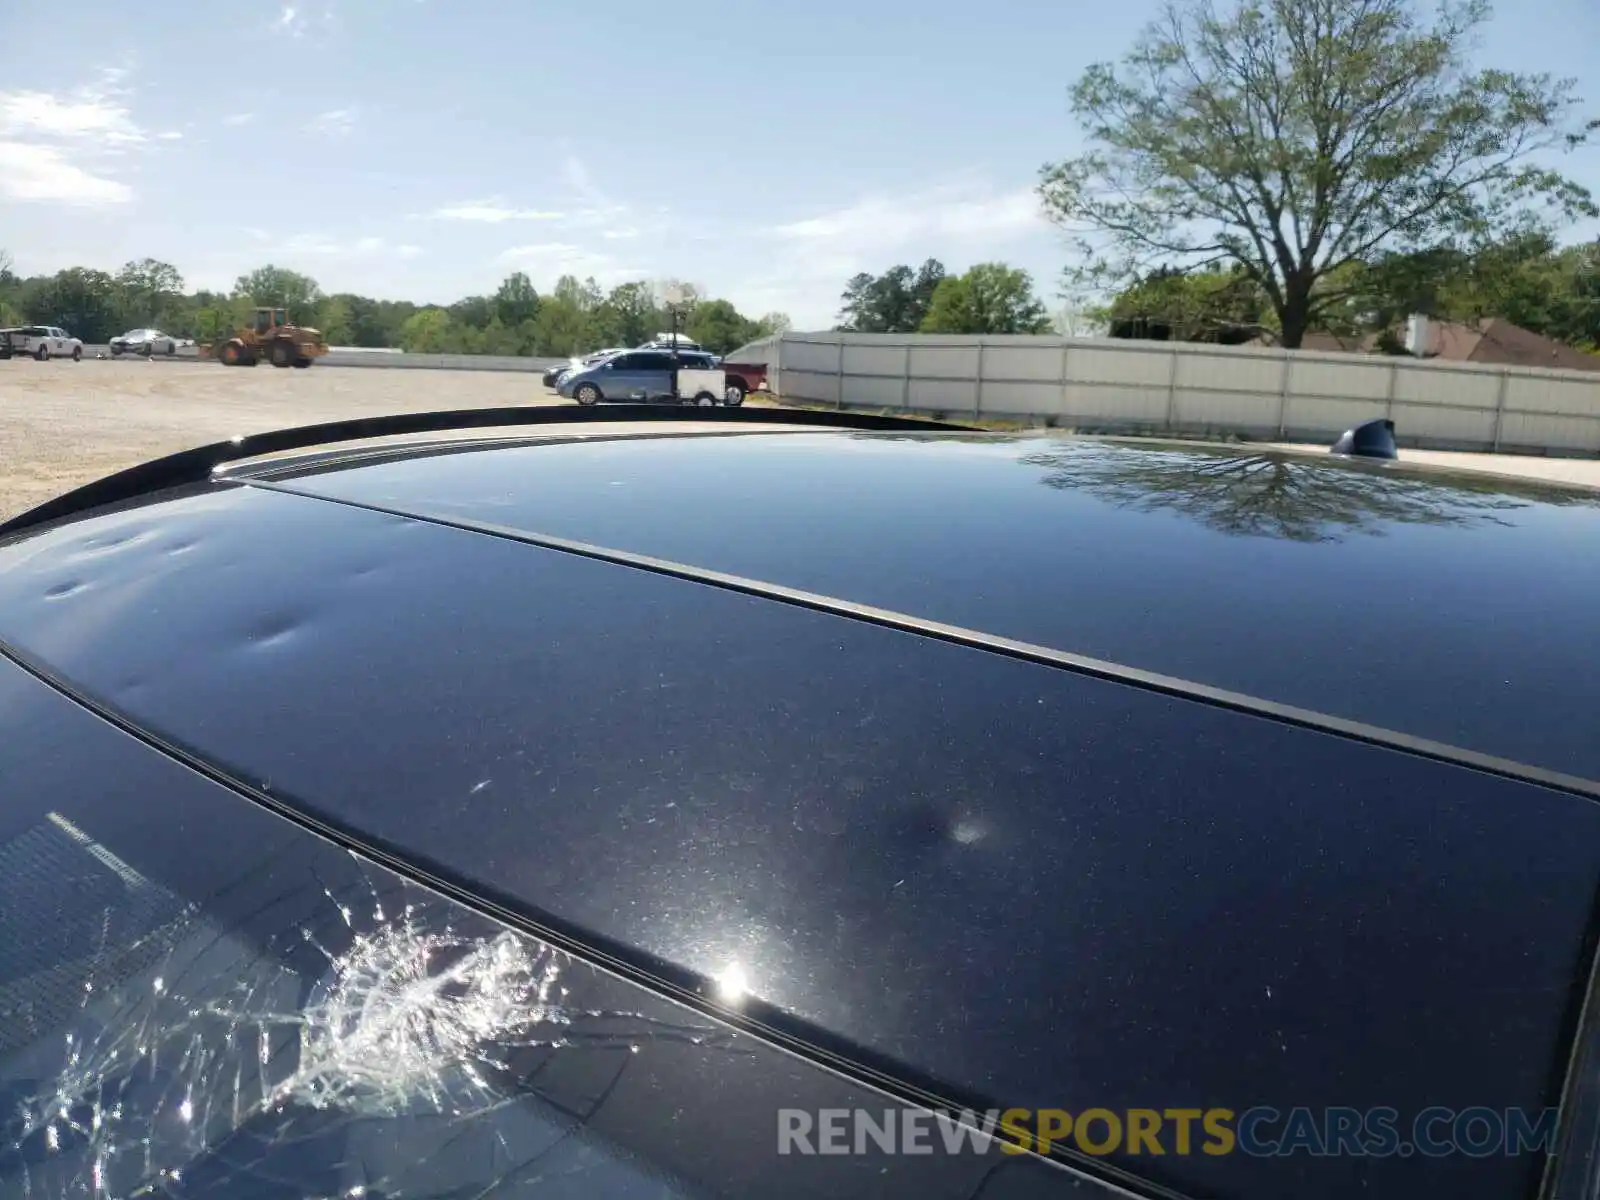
x: 423, y: 149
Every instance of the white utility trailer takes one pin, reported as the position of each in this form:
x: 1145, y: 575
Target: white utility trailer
x: 705, y: 388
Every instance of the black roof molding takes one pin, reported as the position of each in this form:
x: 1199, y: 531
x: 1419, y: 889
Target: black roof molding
x: 197, y: 465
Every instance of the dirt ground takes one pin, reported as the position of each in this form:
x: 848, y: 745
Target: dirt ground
x: 63, y: 424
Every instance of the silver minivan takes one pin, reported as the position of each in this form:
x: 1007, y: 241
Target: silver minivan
x: 638, y: 376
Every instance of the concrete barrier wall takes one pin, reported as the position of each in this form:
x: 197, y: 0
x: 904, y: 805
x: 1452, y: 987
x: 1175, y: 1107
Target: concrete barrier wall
x: 436, y: 362
x: 1154, y: 387
x: 344, y: 356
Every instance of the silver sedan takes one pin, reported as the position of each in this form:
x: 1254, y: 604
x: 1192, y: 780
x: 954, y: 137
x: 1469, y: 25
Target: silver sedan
x: 144, y: 341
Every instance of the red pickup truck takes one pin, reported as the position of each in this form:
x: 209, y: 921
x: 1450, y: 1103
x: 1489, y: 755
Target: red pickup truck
x: 742, y: 378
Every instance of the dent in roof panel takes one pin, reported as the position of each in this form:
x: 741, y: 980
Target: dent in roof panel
x: 1029, y: 885
x: 1453, y: 607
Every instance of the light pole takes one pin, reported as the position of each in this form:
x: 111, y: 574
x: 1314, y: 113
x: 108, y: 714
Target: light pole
x: 673, y: 295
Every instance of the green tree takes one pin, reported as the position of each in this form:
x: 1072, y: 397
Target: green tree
x: 563, y: 327
x: 584, y: 297
x: 473, y: 312
x: 391, y: 317
x: 1525, y: 277
x: 516, y: 303
x: 363, y: 320
x: 213, y: 322
x: 718, y: 326
x: 1209, y: 305
x: 81, y: 301
x: 628, y: 316
x: 500, y: 338
x: 10, y: 292
x: 336, y: 322
x: 206, y: 315
x: 429, y: 331
x: 895, y: 302
x: 282, y: 288
x: 514, y: 320
x: 1533, y: 282
x: 149, y: 293
x: 1294, y: 137
x: 990, y: 298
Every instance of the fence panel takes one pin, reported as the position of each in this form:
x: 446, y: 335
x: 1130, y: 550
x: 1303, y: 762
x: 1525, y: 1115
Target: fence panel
x: 1155, y: 386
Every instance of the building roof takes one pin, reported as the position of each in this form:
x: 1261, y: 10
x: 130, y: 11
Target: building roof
x: 1496, y: 340
x: 1493, y: 341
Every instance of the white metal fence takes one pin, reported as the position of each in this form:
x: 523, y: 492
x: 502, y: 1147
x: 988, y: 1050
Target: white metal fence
x: 1116, y: 385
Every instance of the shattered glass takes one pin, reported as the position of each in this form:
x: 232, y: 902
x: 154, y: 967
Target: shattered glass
x: 147, y: 1051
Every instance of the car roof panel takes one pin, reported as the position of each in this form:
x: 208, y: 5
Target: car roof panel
x: 1017, y: 881
x: 1455, y: 607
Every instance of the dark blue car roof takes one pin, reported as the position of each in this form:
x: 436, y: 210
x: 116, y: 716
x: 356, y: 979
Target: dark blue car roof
x: 1450, y: 606
x: 975, y: 872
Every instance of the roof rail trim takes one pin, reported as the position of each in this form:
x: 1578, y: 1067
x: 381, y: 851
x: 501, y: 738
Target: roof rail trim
x: 1082, y: 664
x: 196, y: 465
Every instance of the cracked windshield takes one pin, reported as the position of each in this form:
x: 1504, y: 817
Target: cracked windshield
x: 893, y: 600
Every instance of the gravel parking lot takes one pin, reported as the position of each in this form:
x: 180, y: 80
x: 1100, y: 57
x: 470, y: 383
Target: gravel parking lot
x: 63, y: 424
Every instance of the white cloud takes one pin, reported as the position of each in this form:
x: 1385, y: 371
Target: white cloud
x: 40, y: 173
x: 295, y: 20
x: 952, y: 211
x: 87, y: 115
x: 323, y: 246
x: 547, y: 261
x: 807, y: 261
x: 243, y: 118
x: 492, y: 211
x: 53, y: 146
x: 336, y: 122
x: 170, y: 135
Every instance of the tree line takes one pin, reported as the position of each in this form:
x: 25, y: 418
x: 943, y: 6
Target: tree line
x: 989, y: 298
x: 573, y: 318
x: 1526, y: 277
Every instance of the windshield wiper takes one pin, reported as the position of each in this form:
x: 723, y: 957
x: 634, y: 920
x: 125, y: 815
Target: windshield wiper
x: 197, y: 465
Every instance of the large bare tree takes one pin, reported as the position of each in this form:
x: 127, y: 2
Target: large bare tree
x: 1295, y: 137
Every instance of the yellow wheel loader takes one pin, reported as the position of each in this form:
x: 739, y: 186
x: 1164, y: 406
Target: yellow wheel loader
x: 272, y: 337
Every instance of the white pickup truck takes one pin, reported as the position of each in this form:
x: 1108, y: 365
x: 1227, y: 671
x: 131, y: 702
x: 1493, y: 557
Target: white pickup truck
x: 41, y: 342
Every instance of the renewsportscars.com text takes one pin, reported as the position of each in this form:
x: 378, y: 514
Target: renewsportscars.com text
x: 1261, y: 1131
